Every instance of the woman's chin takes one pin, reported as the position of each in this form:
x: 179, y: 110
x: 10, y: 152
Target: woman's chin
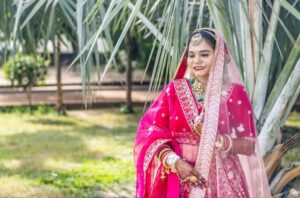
x: 201, y: 75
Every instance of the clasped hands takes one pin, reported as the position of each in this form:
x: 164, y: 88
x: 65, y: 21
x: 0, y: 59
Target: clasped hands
x: 187, y: 174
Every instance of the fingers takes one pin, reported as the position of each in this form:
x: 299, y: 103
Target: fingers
x: 195, y: 181
x: 188, y: 174
x: 201, y: 181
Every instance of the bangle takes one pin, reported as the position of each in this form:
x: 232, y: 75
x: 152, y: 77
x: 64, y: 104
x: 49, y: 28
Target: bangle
x: 164, y: 158
x: 226, y: 144
x: 229, y: 147
x: 171, y: 160
x: 162, y: 148
x: 163, y: 152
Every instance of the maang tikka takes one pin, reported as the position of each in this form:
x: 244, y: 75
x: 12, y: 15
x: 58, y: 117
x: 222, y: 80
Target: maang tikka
x: 196, y: 39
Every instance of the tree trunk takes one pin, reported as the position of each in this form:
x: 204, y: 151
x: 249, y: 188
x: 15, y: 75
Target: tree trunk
x: 57, y: 64
x: 128, y: 44
x: 29, y: 97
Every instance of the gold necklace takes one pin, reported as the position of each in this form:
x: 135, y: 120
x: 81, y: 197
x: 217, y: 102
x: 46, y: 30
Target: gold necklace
x: 199, y: 89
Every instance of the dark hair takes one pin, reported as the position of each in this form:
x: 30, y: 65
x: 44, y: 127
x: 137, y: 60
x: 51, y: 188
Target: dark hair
x: 208, y: 35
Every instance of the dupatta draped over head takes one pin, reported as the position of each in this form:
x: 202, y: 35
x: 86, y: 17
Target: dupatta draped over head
x: 228, y: 111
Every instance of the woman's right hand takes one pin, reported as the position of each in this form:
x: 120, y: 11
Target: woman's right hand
x: 185, y: 170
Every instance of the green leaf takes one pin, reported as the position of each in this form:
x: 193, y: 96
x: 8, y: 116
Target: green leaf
x: 290, y: 9
x: 261, y: 85
x: 281, y: 81
x: 35, y: 9
x: 122, y: 36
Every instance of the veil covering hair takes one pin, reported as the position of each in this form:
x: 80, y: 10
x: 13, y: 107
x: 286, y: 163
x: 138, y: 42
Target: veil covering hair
x: 227, y: 111
x: 223, y: 75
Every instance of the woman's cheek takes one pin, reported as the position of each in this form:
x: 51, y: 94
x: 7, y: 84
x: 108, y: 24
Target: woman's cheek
x: 190, y: 63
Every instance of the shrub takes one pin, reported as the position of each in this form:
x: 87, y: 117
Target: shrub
x: 25, y: 70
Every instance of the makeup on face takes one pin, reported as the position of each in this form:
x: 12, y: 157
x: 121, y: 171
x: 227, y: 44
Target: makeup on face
x: 199, y: 59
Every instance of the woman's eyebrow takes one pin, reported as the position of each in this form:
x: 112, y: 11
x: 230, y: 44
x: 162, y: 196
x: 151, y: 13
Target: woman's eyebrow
x: 199, y: 51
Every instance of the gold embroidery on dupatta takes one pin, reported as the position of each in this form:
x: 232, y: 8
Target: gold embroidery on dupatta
x: 186, y: 100
x: 235, y: 176
x: 224, y: 189
x: 206, y: 147
x: 151, y: 151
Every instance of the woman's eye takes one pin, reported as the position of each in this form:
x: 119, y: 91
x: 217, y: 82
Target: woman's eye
x: 205, y: 55
x: 191, y: 55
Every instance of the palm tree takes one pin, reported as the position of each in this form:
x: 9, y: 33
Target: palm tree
x: 6, y: 25
x: 244, y: 30
x: 42, y: 22
x: 251, y: 28
x: 129, y: 44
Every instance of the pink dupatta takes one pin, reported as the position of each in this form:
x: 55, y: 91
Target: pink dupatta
x: 153, y: 132
x: 228, y: 111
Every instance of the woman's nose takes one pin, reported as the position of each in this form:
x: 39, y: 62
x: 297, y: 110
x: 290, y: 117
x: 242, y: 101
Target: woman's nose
x: 198, y: 59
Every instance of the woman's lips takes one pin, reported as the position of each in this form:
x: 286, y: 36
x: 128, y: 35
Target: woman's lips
x: 198, y: 68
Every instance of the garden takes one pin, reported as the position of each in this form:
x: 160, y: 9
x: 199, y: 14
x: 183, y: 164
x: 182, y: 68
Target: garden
x: 76, y: 76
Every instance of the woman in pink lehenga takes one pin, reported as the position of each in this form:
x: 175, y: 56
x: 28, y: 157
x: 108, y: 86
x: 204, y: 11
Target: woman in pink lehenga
x: 198, y: 138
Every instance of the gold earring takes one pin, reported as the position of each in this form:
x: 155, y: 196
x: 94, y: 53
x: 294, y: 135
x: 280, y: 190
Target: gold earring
x: 192, y: 76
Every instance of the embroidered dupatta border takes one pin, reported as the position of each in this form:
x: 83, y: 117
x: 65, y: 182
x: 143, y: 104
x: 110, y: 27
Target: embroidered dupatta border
x: 210, y: 126
x: 186, y: 100
x: 151, y: 151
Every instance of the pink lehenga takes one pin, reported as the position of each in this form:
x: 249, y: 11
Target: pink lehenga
x: 227, y: 111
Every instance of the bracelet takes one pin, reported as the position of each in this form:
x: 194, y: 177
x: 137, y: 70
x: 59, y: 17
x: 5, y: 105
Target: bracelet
x: 163, y: 147
x: 164, y: 158
x: 229, y: 147
x: 171, y: 160
x: 226, y: 144
x: 163, y: 153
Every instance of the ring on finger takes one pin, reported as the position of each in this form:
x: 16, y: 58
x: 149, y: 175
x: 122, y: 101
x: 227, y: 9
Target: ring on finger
x: 185, y: 179
x: 193, y: 179
x: 195, y: 184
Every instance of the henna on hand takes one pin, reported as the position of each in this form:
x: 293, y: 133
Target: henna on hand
x: 185, y: 171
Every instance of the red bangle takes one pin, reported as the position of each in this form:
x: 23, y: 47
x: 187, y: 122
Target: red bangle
x: 161, y: 149
x: 164, y: 153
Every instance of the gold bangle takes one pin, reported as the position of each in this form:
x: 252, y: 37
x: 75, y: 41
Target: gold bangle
x: 230, y: 144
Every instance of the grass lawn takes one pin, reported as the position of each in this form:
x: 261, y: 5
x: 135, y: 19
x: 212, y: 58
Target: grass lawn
x: 84, y: 154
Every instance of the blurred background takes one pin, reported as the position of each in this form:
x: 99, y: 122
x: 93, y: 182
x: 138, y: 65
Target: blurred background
x: 77, y: 75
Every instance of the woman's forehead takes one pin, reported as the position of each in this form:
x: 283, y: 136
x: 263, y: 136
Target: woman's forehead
x: 202, y: 46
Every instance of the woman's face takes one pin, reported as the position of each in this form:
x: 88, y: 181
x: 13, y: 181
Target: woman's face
x: 199, y: 59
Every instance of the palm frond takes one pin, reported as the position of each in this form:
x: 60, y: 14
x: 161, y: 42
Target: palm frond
x: 261, y: 84
x: 290, y: 9
x: 122, y: 36
x: 273, y: 120
x: 281, y: 81
x: 37, y: 7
